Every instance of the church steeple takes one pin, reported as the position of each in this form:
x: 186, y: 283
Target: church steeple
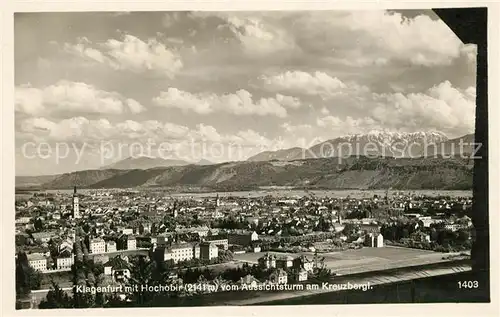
x: 76, y: 205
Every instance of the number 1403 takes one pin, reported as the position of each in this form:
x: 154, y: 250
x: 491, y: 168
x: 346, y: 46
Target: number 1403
x: 468, y: 284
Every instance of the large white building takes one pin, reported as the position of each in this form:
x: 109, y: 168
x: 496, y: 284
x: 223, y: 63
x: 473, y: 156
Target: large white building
x: 97, y: 246
x: 188, y: 251
x: 65, y: 263
x: 37, y: 261
x: 182, y: 252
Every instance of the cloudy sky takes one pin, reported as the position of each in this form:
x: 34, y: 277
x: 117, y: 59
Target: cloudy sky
x: 252, y: 80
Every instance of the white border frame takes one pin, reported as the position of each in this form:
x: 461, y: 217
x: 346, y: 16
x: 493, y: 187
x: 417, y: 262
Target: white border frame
x: 8, y: 170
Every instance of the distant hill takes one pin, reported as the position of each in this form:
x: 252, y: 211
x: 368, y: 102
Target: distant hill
x: 144, y: 162
x: 81, y: 178
x: 280, y: 155
x: 374, y: 143
x: 28, y: 181
x: 462, y: 145
x: 326, y: 173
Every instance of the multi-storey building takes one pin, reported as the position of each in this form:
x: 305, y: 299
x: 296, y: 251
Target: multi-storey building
x: 97, y: 246
x: 208, y: 251
x: 219, y: 241
x: 37, y: 261
x: 111, y: 246
x: 65, y: 261
x: 131, y: 243
x: 182, y: 252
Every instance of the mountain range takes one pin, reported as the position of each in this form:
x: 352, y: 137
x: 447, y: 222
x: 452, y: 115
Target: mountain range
x: 376, y: 143
x: 146, y: 162
x: 378, y: 160
x: 323, y: 173
x: 280, y: 155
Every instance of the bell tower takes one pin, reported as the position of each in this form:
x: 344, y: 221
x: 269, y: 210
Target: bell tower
x: 76, y: 206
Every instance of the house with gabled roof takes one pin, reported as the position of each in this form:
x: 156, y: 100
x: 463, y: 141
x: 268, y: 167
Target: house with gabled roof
x: 118, y: 268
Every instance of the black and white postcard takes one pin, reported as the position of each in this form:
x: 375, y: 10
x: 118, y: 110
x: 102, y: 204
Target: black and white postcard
x: 171, y: 158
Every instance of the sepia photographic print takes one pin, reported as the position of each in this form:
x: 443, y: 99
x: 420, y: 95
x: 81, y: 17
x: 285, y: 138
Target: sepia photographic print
x: 250, y: 158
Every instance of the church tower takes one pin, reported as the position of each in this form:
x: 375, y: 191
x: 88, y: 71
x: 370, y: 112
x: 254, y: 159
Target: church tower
x: 76, y: 206
x: 174, y: 210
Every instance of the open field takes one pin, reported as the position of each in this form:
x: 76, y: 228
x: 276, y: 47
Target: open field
x: 274, y: 191
x: 362, y: 260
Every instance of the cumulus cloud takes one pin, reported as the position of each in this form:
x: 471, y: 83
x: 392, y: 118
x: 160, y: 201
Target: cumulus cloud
x: 443, y: 107
x: 171, y: 18
x: 135, y: 107
x: 376, y: 37
x: 130, y: 53
x: 85, y: 130
x: 258, y: 34
x: 470, y: 50
x: 349, y: 50
x: 317, y: 83
x: 257, y: 37
x: 151, y: 135
x: 82, y: 50
x: 325, y: 111
x: 300, y: 135
x: 74, y: 129
x: 239, y: 103
x: 70, y: 96
x: 288, y: 101
x: 290, y: 128
x: 348, y: 125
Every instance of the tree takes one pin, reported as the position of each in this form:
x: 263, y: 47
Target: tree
x: 38, y: 224
x: 463, y: 236
x: 350, y: 229
x: 56, y: 298
x: 225, y: 255
x: 146, y: 272
x: 27, y: 278
x: 405, y: 233
x: 323, y: 274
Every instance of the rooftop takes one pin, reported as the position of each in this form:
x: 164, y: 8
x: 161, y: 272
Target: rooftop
x: 36, y: 256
